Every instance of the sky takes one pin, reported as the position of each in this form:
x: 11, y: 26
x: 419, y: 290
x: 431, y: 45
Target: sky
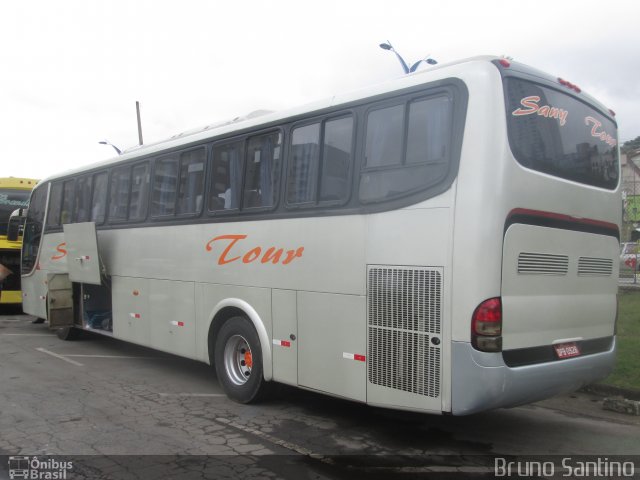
x: 72, y: 70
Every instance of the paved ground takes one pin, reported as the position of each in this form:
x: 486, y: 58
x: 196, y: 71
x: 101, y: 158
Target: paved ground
x: 106, y: 398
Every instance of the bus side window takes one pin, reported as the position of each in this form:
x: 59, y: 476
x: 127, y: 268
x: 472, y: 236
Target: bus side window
x: 429, y: 130
x: 67, y: 202
x: 165, y: 185
x: 83, y: 199
x: 99, y: 199
x: 336, y: 159
x: 139, y: 192
x: 320, y: 155
x: 191, y: 186
x: 226, y: 177
x: 406, y: 151
x: 119, y: 193
x: 55, y: 205
x: 303, y: 166
x: 383, y: 145
x: 262, y: 170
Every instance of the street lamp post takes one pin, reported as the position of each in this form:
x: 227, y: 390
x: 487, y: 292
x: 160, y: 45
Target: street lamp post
x: 405, y: 67
x: 104, y: 142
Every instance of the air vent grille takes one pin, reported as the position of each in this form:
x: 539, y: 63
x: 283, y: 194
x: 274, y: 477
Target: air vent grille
x: 589, y: 266
x: 542, y: 264
x: 404, y: 361
x: 404, y: 312
x: 405, y: 298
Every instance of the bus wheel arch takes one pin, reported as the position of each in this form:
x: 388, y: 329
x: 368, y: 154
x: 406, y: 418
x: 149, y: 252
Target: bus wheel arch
x: 233, y: 307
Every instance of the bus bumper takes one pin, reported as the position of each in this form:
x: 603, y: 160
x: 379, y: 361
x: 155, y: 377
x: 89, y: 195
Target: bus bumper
x: 481, y: 381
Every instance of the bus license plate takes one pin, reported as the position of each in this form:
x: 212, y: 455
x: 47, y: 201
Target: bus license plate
x: 567, y: 350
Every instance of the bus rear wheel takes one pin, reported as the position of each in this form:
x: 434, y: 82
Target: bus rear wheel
x: 238, y: 361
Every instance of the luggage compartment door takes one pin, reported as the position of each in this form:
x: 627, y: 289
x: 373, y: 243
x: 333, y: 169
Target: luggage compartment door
x: 332, y: 345
x: 558, y: 286
x: 59, y: 301
x: 82, y: 247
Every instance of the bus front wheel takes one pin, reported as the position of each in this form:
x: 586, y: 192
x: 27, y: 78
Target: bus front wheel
x: 238, y: 361
x: 69, y: 333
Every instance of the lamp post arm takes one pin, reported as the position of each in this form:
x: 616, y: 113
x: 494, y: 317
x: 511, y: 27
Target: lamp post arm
x: 428, y: 61
x: 405, y: 67
x: 104, y: 142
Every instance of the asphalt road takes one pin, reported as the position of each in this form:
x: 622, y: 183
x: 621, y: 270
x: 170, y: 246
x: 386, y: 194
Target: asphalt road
x: 121, y: 411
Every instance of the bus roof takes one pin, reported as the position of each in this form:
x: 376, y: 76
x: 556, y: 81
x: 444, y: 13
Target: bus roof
x: 18, y: 183
x: 266, y: 117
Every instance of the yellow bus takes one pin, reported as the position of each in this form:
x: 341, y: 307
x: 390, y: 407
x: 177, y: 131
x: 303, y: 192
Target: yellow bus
x: 14, y: 194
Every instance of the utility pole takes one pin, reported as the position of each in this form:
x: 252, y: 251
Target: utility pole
x: 139, y: 123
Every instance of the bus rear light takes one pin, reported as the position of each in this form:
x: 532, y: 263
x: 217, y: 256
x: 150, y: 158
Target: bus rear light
x: 487, y: 318
x: 504, y: 62
x: 486, y: 326
x: 570, y: 85
x: 488, y: 344
x: 613, y: 114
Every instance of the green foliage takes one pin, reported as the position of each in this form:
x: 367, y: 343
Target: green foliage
x: 627, y: 371
x: 630, y: 145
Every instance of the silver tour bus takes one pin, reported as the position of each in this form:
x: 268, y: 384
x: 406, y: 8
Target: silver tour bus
x: 446, y: 242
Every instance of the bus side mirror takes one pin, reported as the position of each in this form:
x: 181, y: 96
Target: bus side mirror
x: 16, y: 224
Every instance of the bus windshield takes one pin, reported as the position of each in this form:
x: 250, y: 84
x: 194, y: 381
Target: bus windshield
x: 555, y: 133
x: 11, y: 199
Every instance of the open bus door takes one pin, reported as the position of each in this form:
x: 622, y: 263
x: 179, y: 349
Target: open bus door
x: 82, y: 253
x: 88, y: 278
x: 83, y: 266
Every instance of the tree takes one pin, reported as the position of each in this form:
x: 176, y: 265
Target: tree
x: 630, y: 145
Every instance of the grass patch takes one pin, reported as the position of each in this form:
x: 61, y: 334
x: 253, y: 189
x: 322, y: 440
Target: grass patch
x: 627, y: 370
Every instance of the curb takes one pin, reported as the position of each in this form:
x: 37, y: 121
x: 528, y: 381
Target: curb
x: 610, y: 390
x: 622, y: 405
x: 617, y: 399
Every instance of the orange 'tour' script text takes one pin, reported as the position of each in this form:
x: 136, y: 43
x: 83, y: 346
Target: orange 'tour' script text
x: 270, y: 255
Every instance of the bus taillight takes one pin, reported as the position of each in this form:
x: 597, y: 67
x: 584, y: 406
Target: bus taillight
x: 570, y: 85
x: 486, y: 326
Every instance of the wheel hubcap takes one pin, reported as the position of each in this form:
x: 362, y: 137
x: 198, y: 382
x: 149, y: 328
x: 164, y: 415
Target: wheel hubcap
x: 238, y: 360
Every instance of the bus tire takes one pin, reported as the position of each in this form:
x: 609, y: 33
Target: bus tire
x: 69, y: 333
x: 238, y: 361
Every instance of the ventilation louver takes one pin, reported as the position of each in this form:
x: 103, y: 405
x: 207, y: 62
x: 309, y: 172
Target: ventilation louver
x: 542, y: 264
x: 589, y: 266
x: 404, y: 312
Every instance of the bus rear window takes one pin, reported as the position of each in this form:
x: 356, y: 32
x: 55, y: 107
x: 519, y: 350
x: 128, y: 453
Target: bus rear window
x: 554, y: 133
